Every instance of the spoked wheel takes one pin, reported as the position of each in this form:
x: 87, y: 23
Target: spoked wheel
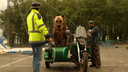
x: 47, y: 64
x: 84, y: 62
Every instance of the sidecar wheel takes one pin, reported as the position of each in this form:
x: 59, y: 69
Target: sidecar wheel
x: 84, y: 62
x: 47, y: 64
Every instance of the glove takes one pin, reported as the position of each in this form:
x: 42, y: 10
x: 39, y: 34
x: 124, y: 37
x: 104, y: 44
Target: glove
x: 53, y: 44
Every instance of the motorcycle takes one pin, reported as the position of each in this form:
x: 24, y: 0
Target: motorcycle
x: 78, y: 51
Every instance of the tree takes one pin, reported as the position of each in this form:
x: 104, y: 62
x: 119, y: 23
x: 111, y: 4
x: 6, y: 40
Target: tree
x: 110, y: 15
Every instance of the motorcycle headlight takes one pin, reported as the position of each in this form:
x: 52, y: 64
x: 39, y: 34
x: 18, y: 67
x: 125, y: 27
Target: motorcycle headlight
x: 82, y: 41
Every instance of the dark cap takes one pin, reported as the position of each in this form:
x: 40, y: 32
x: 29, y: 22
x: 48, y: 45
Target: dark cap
x: 35, y: 5
x: 91, y: 22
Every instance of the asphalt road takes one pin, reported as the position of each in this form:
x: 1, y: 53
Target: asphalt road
x: 113, y: 60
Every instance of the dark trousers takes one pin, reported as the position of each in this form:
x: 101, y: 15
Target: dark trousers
x: 95, y: 54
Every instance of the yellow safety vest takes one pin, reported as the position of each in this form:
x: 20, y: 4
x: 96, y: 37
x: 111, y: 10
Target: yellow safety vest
x: 36, y: 28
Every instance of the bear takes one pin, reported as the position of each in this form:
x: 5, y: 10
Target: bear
x: 58, y: 34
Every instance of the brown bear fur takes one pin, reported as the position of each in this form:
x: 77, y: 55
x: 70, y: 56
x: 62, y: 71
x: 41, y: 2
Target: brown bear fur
x: 58, y: 35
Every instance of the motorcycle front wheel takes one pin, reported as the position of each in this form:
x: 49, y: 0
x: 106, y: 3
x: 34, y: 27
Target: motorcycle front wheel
x: 84, y: 62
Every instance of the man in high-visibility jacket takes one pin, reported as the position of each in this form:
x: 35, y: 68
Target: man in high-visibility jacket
x: 38, y: 34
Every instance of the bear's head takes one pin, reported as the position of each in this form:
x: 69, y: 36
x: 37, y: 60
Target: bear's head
x: 59, y: 22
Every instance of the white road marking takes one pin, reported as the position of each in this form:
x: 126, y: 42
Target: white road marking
x: 15, y: 62
x: 22, y: 65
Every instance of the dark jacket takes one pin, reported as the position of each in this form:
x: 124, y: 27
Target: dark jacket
x: 95, y: 35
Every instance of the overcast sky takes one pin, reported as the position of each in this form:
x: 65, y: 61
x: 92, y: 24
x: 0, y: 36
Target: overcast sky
x: 3, y: 4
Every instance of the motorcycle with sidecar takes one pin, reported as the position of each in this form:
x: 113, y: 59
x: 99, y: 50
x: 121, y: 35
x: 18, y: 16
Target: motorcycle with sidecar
x: 78, y: 51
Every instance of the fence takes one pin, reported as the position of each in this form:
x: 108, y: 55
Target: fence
x: 110, y: 43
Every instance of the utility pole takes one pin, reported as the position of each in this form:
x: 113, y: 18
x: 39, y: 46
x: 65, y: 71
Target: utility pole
x: 8, y: 22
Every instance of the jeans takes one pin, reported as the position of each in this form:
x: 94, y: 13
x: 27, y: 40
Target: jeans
x: 37, y: 58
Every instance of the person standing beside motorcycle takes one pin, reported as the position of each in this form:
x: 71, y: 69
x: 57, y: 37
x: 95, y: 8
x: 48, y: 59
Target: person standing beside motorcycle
x: 38, y: 34
x: 93, y: 34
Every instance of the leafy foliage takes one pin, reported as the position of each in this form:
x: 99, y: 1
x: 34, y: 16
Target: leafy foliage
x: 110, y: 15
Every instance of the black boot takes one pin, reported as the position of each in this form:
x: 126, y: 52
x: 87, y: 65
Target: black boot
x: 93, y: 65
x: 97, y: 66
